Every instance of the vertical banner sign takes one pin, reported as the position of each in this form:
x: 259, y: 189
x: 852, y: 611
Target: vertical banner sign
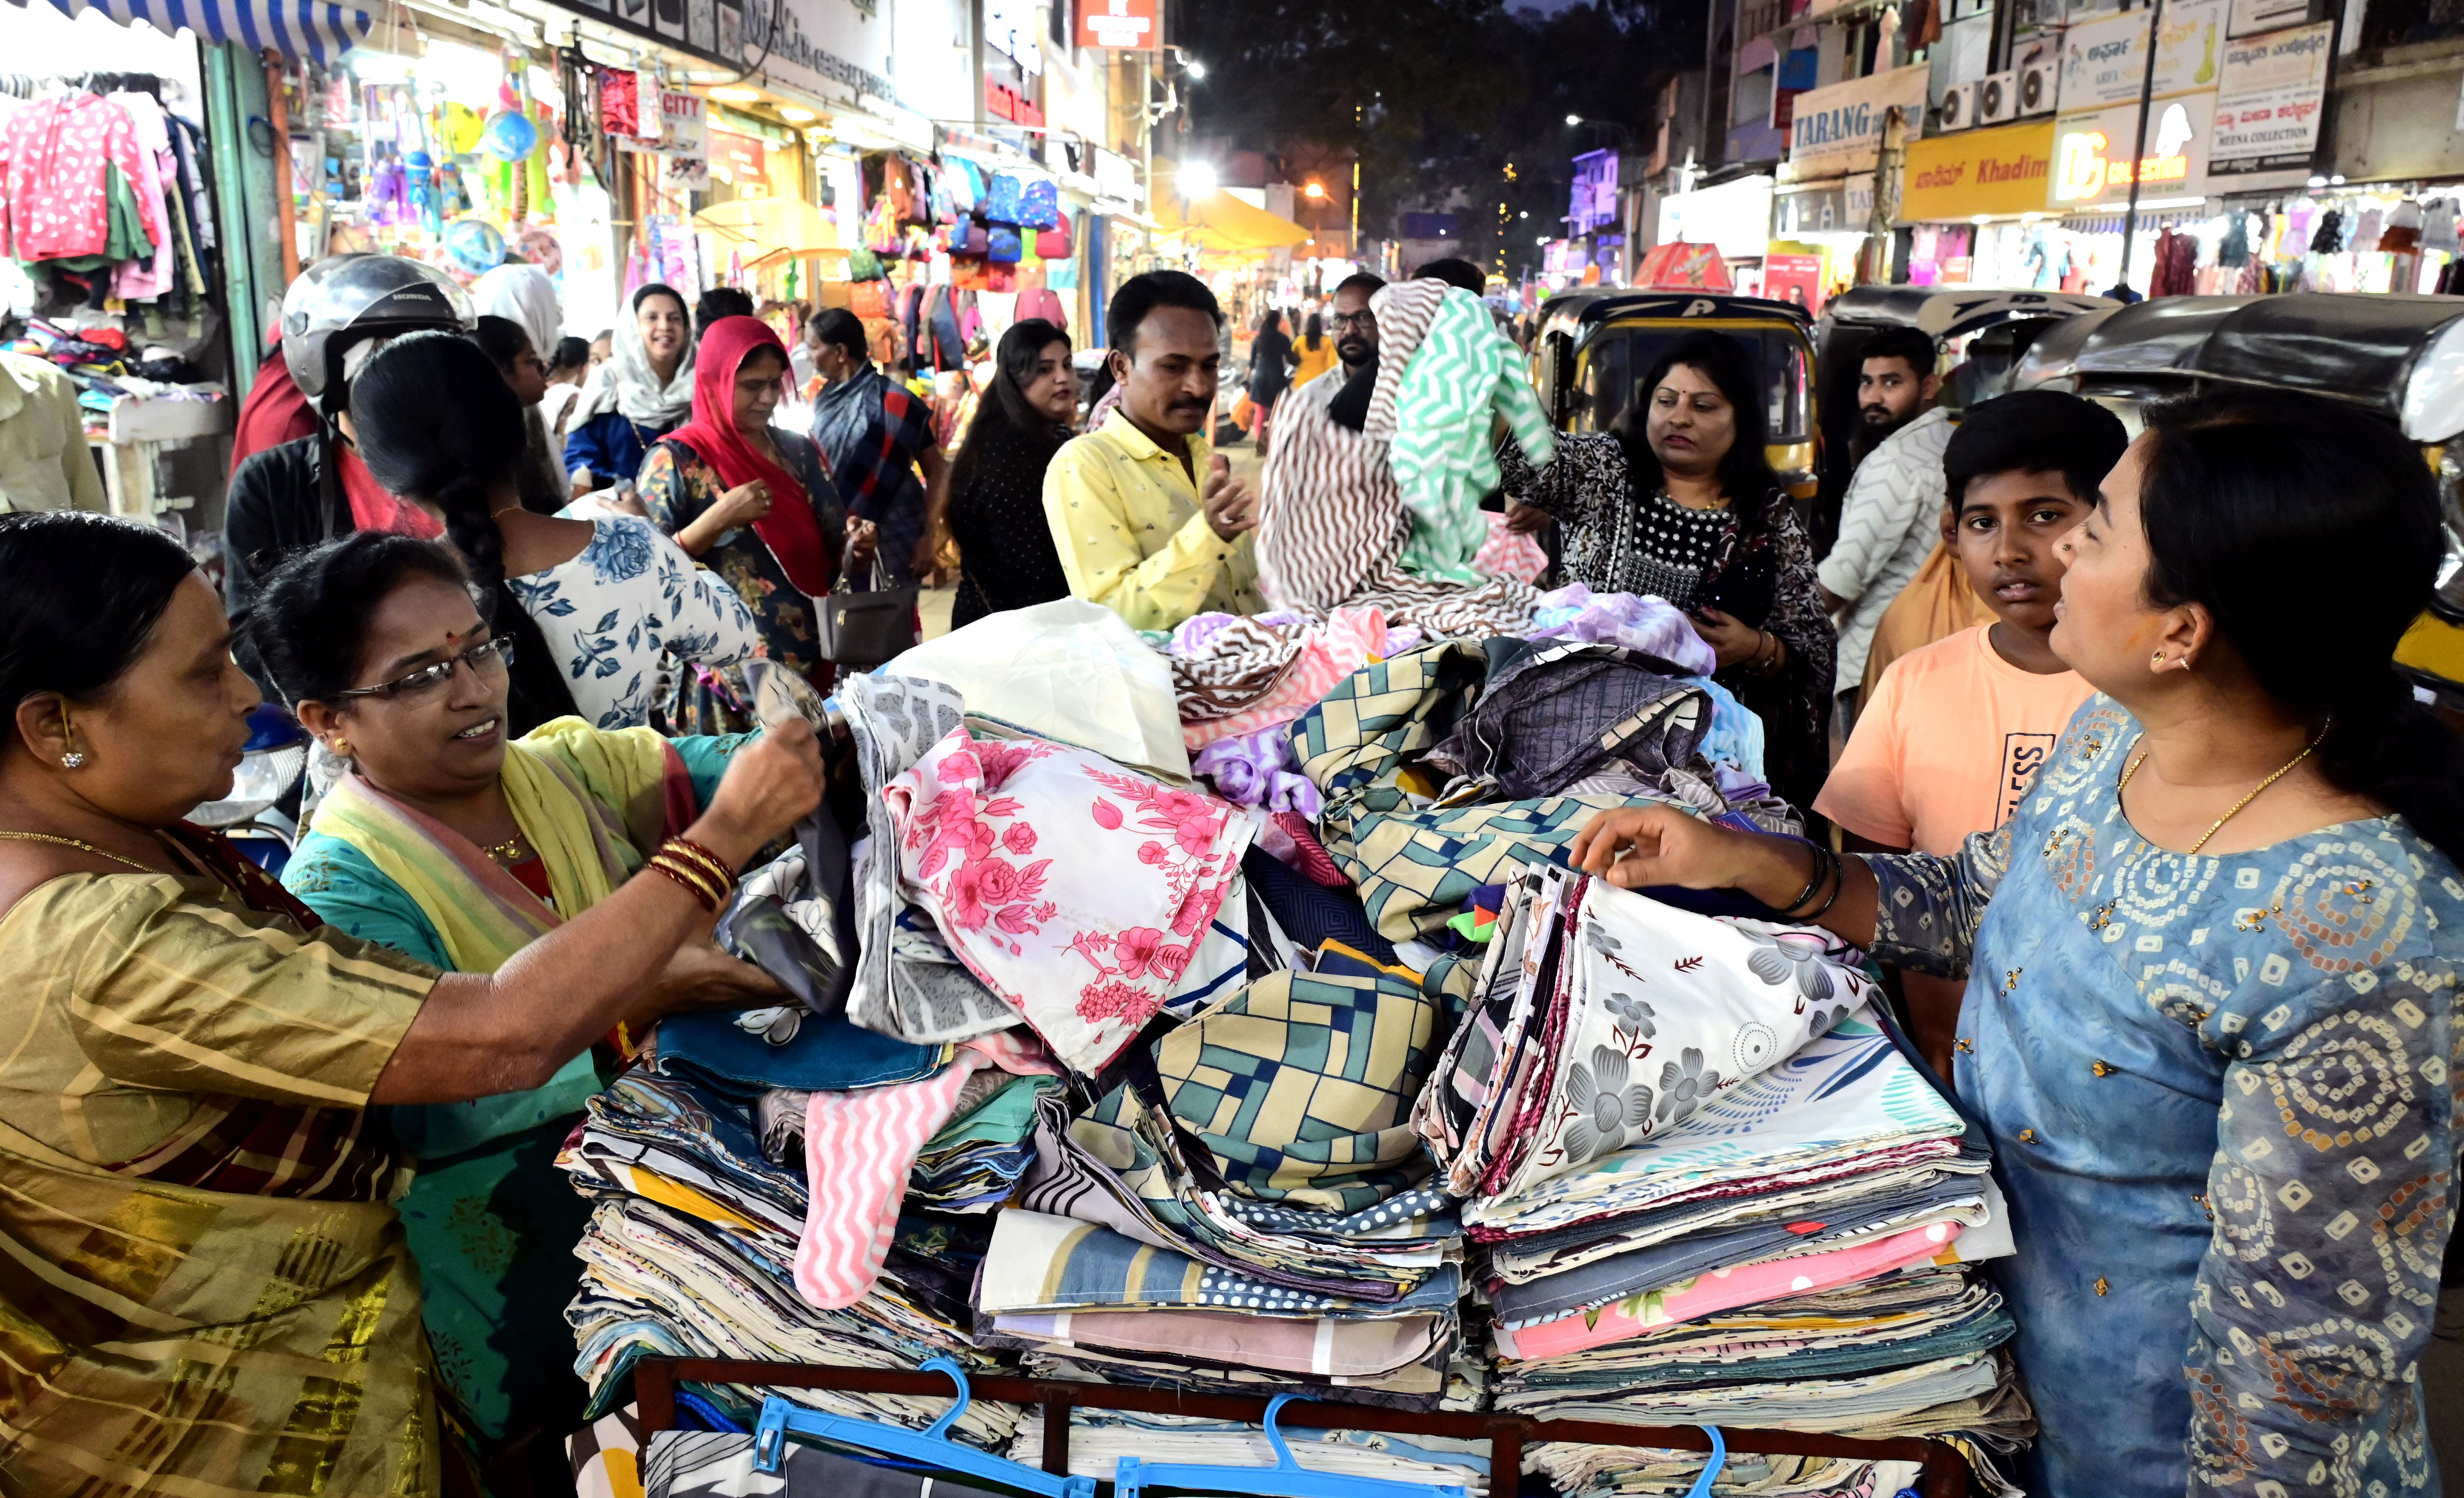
x: 1121, y: 25
x: 2267, y: 103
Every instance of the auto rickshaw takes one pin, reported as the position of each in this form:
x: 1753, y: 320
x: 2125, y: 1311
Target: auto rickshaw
x: 1592, y: 345
x: 1998, y: 324
x: 2399, y: 357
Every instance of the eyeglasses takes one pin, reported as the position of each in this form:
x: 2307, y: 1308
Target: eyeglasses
x: 489, y: 658
x: 1345, y: 320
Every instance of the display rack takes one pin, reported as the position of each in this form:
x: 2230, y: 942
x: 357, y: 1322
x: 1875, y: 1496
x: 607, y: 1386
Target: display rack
x: 1945, y: 1474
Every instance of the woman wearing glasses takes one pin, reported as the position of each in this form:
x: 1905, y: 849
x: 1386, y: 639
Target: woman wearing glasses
x: 190, y: 1055
x: 590, y: 606
x: 453, y: 842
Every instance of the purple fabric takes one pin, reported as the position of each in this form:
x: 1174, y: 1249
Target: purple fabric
x: 1652, y: 626
x: 1256, y: 770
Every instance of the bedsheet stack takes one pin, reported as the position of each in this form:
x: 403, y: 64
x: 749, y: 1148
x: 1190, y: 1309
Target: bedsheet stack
x: 1708, y: 1188
x: 692, y: 1248
x: 1247, y: 1210
x: 1098, y: 1439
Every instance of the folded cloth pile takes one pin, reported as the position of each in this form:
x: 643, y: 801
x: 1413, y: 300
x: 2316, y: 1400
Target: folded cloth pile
x: 1706, y: 1188
x: 1246, y: 1207
x: 1098, y: 1439
x: 692, y: 1252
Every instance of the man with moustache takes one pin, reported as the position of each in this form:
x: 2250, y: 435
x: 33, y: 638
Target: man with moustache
x: 1147, y: 519
x: 1355, y: 338
x: 1886, y: 518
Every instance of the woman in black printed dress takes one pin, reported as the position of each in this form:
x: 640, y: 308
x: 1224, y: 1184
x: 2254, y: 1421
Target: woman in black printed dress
x: 994, y: 504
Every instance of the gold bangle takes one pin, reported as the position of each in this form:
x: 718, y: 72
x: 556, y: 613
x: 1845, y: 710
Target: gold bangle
x: 691, y: 879
x: 691, y: 850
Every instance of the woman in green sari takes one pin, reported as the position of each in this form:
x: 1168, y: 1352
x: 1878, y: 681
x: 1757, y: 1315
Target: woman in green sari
x: 451, y: 843
x: 203, y: 1286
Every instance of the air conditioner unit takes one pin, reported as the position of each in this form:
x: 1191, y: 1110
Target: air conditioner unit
x: 1959, y: 107
x: 1997, y: 98
x: 2038, y: 83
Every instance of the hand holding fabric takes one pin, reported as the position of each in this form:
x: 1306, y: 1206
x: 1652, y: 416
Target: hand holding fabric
x: 773, y: 783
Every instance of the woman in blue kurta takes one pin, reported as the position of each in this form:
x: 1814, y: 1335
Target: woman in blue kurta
x: 2210, y: 1018
x: 450, y: 843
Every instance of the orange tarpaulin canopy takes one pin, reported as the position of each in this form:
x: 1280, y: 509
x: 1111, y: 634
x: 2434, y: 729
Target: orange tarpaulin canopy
x: 1221, y: 221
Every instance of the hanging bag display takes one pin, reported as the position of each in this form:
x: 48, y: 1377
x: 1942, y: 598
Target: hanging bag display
x: 1002, y: 247
x: 867, y: 628
x: 1055, y: 242
x: 1038, y: 207
x: 1001, y: 204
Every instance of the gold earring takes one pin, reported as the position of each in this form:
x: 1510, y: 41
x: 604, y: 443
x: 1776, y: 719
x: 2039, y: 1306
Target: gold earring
x: 341, y: 748
x: 2157, y: 660
x: 74, y: 758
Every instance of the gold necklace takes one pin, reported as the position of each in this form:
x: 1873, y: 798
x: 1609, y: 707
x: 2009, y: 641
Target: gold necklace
x: 2132, y: 768
x: 78, y: 843
x: 508, y: 851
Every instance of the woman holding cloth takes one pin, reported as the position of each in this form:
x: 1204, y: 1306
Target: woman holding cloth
x: 2210, y: 1018
x: 754, y: 505
x: 450, y: 842
x: 192, y: 1056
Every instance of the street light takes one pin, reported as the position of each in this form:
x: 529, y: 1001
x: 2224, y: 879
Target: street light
x: 1315, y: 190
x: 1196, y: 179
x: 1602, y: 124
x: 1573, y: 120
x: 1195, y: 68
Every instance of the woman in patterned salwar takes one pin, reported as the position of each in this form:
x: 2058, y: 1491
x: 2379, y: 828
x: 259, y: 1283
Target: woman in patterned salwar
x: 2210, y: 1016
x: 451, y: 845
x: 210, y: 1293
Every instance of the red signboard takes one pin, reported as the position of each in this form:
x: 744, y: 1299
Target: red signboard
x: 1131, y: 25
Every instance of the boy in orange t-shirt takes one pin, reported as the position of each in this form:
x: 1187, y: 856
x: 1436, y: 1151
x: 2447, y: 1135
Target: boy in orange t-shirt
x: 1956, y: 730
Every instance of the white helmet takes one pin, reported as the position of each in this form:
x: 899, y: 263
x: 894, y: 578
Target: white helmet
x: 345, y: 300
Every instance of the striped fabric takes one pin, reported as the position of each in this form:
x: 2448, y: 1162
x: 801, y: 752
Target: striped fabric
x: 307, y: 28
x: 858, y: 1149
x: 1463, y: 373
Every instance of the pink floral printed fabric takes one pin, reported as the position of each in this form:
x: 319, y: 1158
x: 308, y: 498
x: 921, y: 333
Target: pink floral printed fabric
x: 1076, y: 891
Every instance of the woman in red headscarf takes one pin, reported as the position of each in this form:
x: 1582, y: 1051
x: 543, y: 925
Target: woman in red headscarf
x: 755, y: 504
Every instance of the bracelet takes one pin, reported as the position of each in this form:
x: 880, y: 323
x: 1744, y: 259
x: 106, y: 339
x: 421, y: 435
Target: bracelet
x: 716, y: 865
x: 692, y: 879
x: 1839, y: 883
x: 1812, y: 884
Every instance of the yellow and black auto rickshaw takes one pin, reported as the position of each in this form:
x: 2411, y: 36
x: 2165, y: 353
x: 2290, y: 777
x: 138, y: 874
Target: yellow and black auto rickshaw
x: 1593, y: 345
x: 2401, y: 357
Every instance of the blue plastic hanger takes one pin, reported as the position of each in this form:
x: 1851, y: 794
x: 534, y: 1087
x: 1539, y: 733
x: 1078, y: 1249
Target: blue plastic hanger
x: 1285, y: 1479
x: 1701, y: 1488
x: 780, y: 1419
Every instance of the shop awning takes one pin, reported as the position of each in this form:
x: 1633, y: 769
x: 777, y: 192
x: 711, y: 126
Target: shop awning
x: 1221, y: 221
x: 307, y: 28
x: 771, y: 226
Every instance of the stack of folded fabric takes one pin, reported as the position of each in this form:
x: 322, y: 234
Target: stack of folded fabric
x: 691, y: 1253
x: 1708, y: 1189
x: 1247, y: 1209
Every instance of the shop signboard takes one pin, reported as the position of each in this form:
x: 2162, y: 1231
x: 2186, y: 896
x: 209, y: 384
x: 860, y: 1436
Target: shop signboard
x: 2105, y: 61
x: 2091, y: 166
x: 1734, y: 216
x: 1999, y: 171
x: 832, y: 51
x: 1119, y: 25
x: 1794, y: 278
x: 1836, y: 128
x: 2250, y: 18
x: 2268, y: 101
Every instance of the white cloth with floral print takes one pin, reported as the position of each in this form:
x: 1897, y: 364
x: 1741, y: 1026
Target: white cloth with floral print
x: 1661, y: 1010
x: 1078, y: 891
x: 630, y: 597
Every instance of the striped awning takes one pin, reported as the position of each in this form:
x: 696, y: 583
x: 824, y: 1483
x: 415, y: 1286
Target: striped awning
x: 310, y: 28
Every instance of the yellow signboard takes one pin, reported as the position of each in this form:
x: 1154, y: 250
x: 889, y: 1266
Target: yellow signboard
x: 1999, y: 171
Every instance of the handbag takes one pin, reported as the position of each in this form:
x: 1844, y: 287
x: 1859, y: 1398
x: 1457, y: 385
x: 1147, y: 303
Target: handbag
x: 869, y: 300
x: 1054, y: 243
x: 867, y: 628
x: 1002, y: 247
x: 968, y: 237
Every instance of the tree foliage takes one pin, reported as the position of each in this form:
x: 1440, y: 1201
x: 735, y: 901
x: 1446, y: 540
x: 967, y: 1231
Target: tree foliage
x: 1440, y: 98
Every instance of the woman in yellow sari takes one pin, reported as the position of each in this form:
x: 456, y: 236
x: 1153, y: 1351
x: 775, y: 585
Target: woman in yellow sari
x: 450, y: 844
x: 203, y: 1289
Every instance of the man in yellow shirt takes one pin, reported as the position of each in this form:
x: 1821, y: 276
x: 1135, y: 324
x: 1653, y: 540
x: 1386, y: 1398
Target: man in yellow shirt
x: 44, y: 464
x: 1147, y: 519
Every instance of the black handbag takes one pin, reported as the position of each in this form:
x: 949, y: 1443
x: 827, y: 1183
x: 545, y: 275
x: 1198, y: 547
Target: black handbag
x: 871, y: 627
